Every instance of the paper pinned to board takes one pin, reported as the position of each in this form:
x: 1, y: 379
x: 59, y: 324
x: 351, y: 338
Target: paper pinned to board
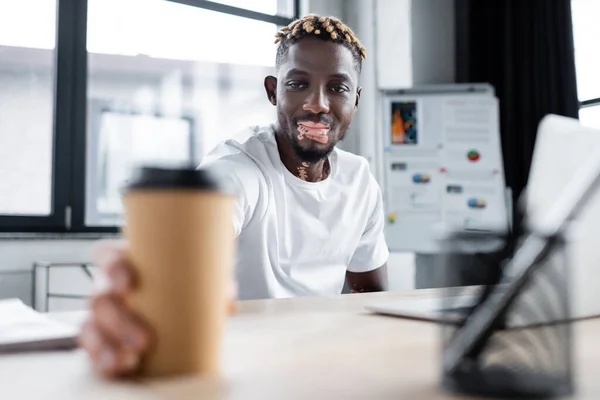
x: 442, y: 165
x: 24, y: 329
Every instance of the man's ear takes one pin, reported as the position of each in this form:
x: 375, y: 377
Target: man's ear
x: 357, y: 96
x: 271, y: 89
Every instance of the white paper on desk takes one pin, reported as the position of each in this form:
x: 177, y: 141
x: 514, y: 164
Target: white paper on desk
x: 22, y: 328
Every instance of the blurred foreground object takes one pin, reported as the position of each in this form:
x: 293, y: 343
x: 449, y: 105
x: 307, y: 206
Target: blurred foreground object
x: 181, y: 245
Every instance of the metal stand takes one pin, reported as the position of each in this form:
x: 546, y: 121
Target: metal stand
x: 49, y: 266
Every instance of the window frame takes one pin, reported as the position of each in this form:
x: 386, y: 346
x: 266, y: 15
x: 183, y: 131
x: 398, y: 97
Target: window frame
x: 69, y: 152
x: 98, y: 107
x: 589, y: 103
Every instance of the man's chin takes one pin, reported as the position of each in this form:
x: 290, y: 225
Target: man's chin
x: 314, y: 153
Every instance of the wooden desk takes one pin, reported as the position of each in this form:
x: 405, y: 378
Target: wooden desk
x: 307, y: 348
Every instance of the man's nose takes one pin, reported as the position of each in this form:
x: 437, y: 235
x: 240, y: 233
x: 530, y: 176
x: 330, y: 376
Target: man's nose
x: 317, y: 102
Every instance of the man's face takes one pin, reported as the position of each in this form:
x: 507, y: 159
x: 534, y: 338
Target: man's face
x: 316, y: 94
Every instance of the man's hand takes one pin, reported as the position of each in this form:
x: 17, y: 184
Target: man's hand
x: 371, y: 281
x: 113, y: 336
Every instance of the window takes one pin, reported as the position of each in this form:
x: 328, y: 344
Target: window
x: 120, y: 140
x: 134, y: 81
x: 585, y: 32
x: 168, y: 94
x: 27, y: 49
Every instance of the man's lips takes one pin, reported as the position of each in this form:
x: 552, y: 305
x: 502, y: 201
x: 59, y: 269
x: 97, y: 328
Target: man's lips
x: 313, y: 128
x: 314, y: 131
x: 314, y: 125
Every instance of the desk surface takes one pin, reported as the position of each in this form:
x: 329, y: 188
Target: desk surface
x: 306, y: 348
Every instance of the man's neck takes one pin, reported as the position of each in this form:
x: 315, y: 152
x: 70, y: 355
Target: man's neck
x: 307, y: 171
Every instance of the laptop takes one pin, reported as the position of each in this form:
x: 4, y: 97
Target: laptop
x: 562, y: 147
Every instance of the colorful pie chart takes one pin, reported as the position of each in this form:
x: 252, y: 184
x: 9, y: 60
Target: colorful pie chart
x: 421, y: 178
x: 476, y: 203
x: 473, y: 155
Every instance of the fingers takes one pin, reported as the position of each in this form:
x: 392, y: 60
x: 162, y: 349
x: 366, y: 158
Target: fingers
x: 123, y: 327
x: 106, y: 357
x: 116, y: 276
x: 113, y: 337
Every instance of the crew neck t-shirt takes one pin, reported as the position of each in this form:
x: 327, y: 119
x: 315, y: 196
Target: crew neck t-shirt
x: 298, y: 238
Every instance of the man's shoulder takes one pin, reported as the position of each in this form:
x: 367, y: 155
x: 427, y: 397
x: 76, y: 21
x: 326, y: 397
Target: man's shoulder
x: 354, y: 172
x: 352, y: 164
x: 243, y: 154
x: 246, y: 146
x: 252, y: 135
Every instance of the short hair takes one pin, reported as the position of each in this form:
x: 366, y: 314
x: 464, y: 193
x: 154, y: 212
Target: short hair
x: 325, y: 28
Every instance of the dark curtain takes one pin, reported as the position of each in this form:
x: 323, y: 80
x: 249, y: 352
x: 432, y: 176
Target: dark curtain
x: 524, y: 48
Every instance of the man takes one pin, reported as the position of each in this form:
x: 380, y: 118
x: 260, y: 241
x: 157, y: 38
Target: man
x: 309, y: 216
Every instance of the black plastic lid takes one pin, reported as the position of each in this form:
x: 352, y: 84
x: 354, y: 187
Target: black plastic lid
x: 153, y: 177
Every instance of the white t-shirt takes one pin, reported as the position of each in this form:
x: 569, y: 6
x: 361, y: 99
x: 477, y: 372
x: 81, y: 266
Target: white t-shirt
x: 298, y: 238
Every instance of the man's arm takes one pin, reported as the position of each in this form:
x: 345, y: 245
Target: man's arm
x: 239, y: 175
x: 362, y: 274
x: 370, y: 281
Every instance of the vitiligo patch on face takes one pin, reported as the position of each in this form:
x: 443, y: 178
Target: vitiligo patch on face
x: 316, y: 134
x: 313, y: 131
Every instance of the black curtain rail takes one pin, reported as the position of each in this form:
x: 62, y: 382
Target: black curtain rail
x: 590, y: 103
x: 239, y: 12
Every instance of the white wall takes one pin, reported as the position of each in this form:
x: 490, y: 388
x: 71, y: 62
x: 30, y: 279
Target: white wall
x: 334, y: 8
x: 394, y: 42
x: 433, y: 42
